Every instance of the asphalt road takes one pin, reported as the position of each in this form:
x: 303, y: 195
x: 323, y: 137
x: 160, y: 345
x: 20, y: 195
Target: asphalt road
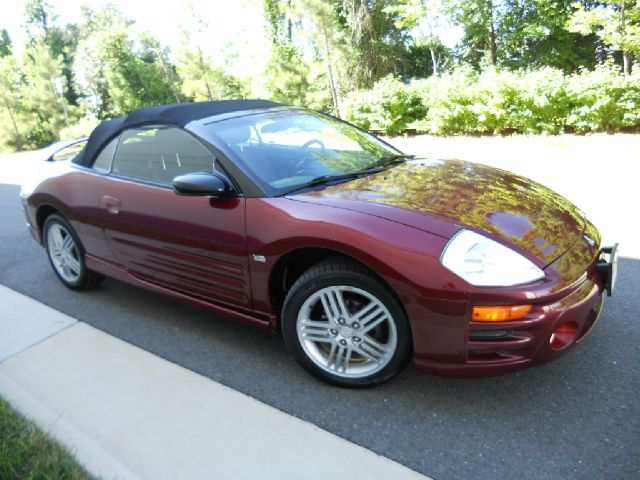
x: 575, y: 418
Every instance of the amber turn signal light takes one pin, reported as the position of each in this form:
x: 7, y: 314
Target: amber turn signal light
x: 499, y: 314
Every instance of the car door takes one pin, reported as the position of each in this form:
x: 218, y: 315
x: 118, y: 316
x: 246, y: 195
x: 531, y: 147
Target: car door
x: 195, y: 245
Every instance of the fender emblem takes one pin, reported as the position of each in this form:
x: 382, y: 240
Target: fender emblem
x: 259, y: 258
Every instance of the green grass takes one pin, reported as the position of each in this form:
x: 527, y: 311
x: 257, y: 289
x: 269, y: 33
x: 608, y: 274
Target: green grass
x: 27, y: 453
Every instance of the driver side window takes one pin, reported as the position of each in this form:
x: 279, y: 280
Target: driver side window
x: 159, y: 153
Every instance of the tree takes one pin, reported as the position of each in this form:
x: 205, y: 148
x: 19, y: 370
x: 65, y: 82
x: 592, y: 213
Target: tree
x: 424, y: 18
x: 355, y: 41
x: 42, y: 95
x: 478, y: 19
x: 521, y: 34
x: 41, y: 25
x: 201, y: 79
x: 616, y: 22
x: 114, y: 76
x: 5, y: 44
x: 11, y: 108
x: 134, y: 81
x: 152, y: 51
x: 327, y: 43
x: 376, y: 40
x: 287, y: 71
x: 532, y: 33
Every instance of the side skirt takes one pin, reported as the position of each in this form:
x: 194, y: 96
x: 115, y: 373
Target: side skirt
x: 119, y: 273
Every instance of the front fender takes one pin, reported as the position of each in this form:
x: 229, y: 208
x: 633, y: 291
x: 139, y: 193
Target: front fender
x: 405, y: 257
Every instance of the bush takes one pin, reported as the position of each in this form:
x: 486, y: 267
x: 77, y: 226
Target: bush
x: 390, y: 106
x: 501, y: 102
x: 604, y: 100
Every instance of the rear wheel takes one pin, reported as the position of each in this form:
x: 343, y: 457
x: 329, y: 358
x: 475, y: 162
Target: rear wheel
x: 66, y: 255
x: 344, y: 326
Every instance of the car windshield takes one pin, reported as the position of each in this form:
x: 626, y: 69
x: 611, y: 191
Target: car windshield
x: 287, y: 149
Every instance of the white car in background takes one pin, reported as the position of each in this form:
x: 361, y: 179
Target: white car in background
x: 25, y: 168
x: 62, y: 150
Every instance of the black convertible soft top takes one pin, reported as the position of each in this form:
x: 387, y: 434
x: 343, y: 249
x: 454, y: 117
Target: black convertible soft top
x: 178, y: 114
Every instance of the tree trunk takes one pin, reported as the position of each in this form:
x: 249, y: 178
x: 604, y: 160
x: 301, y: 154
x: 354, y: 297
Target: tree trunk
x: 434, y: 61
x: 492, y: 37
x: 332, y: 83
x: 627, y: 62
x: 627, y: 59
x: 15, y: 126
x: 168, y: 76
x: 205, y: 77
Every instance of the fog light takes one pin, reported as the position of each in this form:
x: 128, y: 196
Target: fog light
x: 564, y: 335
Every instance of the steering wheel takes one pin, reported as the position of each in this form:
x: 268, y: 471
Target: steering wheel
x: 313, y: 141
x: 301, y: 165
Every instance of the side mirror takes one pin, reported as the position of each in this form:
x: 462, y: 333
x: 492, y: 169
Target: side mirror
x: 201, y: 183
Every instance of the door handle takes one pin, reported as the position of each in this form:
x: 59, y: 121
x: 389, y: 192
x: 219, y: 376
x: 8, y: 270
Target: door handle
x: 111, y: 204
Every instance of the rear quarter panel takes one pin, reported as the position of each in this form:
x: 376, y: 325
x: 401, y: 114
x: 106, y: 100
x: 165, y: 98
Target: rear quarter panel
x: 74, y: 194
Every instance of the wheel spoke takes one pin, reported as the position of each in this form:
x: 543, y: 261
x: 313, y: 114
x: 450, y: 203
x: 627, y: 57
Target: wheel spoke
x: 318, y: 336
x: 57, y: 237
x: 66, y: 270
x: 364, y: 311
x: 373, y: 321
x: 333, y: 304
x: 339, y: 357
x: 73, y: 264
x: 67, y: 244
x: 316, y: 325
x: 372, y: 349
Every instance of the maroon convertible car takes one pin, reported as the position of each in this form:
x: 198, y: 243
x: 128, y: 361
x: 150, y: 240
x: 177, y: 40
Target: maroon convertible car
x: 294, y: 221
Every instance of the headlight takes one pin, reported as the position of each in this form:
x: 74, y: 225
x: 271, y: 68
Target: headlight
x: 483, y: 262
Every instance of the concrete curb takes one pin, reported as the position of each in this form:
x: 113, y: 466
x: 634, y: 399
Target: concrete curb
x: 127, y: 413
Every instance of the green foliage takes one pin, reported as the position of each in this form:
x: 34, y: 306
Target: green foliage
x: 41, y: 27
x: 520, y: 34
x: 14, y: 120
x: 516, y: 66
x: 287, y: 75
x: 616, y: 22
x: 82, y: 128
x: 118, y: 71
x: 604, y: 100
x: 375, y: 37
x: 5, y: 43
x: 390, y: 106
x: 201, y: 79
x: 502, y: 102
x: 133, y: 81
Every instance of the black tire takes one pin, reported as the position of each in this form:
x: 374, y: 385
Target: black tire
x: 85, y: 279
x: 353, y: 279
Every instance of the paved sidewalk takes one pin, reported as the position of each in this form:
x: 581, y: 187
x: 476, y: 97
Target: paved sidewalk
x: 126, y: 413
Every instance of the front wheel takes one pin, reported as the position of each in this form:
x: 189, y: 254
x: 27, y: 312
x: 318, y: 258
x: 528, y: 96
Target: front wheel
x: 345, y: 327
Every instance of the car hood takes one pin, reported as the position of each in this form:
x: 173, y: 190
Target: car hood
x: 442, y: 196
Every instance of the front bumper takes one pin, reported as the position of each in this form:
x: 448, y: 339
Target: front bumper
x: 498, y: 348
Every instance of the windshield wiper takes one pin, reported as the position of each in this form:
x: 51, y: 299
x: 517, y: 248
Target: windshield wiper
x: 322, y: 179
x: 377, y: 166
x: 388, y: 160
